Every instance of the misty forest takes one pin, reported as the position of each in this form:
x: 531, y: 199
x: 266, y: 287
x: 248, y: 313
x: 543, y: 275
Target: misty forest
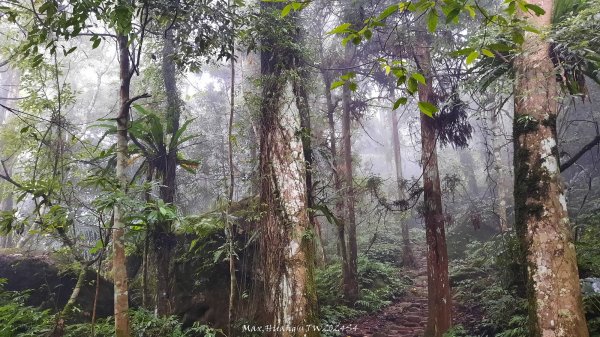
x: 188, y: 168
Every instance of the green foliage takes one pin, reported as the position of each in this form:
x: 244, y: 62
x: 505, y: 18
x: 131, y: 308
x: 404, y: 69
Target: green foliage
x: 144, y: 323
x: 591, y: 305
x: 588, y: 261
x: 483, y: 282
x: 18, y: 320
x: 457, y: 331
x: 588, y: 250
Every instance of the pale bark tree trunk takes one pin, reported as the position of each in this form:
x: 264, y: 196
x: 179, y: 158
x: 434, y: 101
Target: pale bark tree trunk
x: 119, y: 260
x: 541, y: 219
x: 287, y: 263
x: 438, y: 286
x: 351, y: 285
x: 408, y: 258
x: 499, y: 172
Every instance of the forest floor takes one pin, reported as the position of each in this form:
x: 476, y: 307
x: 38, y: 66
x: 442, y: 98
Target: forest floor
x: 406, y: 317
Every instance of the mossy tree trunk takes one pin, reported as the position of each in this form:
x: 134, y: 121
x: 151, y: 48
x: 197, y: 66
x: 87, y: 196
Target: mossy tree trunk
x: 286, y: 235
x: 541, y: 219
x: 438, y: 285
x: 500, y: 173
x: 162, y: 235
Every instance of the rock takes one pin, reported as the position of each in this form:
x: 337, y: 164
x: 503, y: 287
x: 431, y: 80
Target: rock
x: 590, y: 285
x: 49, y: 287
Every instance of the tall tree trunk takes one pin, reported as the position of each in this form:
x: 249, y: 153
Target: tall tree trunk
x: 337, y: 182
x: 287, y: 262
x: 306, y: 135
x: 351, y: 286
x: 119, y: 260
x: 541, y: 219
x: 9, y: 90
x: 438, y: 286
x: 408, y: 258
x: 164, y: 239
x: 466, y: 160
x: 499, y: 172
x: 230, y: 230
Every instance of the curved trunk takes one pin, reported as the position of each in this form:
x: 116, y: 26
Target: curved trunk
x: 541, y: 219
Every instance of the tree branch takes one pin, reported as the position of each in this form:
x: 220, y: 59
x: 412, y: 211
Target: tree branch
x: 135, y: 98
x: 580, y: 153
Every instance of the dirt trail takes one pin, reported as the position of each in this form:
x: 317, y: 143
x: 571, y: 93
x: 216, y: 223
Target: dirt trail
x: 404, y: 318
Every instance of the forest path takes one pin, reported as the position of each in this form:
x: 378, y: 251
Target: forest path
x: 406, y: 317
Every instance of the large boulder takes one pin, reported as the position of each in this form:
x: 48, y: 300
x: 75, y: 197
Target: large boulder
x: 49, y: 287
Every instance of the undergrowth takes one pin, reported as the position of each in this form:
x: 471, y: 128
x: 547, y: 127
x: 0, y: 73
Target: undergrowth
x: 19, y: 320
x: 487, y: 284
x: 380, y: 283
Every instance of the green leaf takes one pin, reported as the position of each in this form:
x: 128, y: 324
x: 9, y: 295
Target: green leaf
x: 352, y: 86
x: 388, y: 11
x: 400, y: 101
x: 343, y: 28
x: 412, y: 85
x: 536, y: 9
x: 531, y: 29
x: 472, y: 56
x: 432, y: 20
x: 487, y: 52
x: 72, y: 49
x: 420, y: 78
x: 348, y: 76
x: 337, y: 84
x: 96, y: 43
x: 286, y: 10
x: 517, y: 37
x: 471, y: 11
x: 427, y: 108
x: 452, y: 16
x: 510, y: 10
x: 462, y: 52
